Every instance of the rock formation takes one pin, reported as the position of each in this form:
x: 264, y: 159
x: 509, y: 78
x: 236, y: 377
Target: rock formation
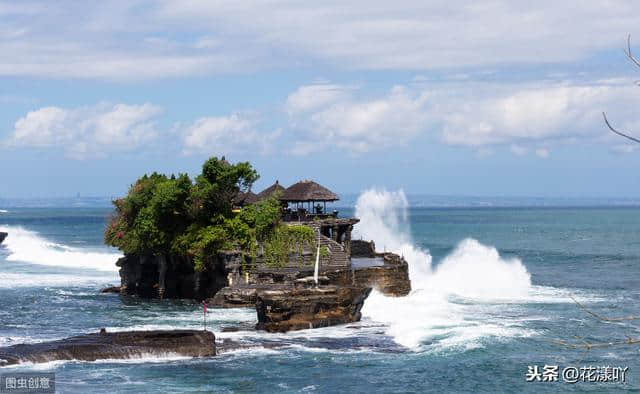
x: 2, y: 236
x: 285, y: 297
x: 117, y: 345
x: 171, y: 276
x: 296, y: 309
x: 391, y: 278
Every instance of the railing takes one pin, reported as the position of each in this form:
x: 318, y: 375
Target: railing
x: 301, y: 215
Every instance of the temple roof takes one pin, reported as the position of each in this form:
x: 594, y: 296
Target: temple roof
x: 268, y: 192
x: 308, y: 191
x: 245, y: 198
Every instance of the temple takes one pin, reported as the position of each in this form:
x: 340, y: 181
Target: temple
x: 288, y: 295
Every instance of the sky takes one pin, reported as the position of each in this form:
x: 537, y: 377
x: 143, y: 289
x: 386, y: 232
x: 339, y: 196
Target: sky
x: 491, y: 98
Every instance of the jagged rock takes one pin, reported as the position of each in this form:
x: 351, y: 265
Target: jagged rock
x: 284, y: 296
x: 117, y: 345
x: 391, y: 278
x: 112, y: 289
x: 171, y: 276
x: 296, y: 309
x: 235, y: 297
x: 2, y: 236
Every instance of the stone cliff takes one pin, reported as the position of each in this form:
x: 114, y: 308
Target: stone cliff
x: 285, y: 297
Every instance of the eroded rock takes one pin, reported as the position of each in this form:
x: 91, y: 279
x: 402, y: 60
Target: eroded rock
x: 235, y: 297
x: 301, y: 308
x: 116, y: 345
x: 391, y: 278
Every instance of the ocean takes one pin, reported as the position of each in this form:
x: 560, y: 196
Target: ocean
x: 499, y: 292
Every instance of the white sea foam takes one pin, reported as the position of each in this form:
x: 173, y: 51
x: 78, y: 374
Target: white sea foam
x: 27, y: 246
x: 3, y: 211
x: 252, y: 351
x: 142, y: 358
x: 14, y: 280
x: 459, y: 303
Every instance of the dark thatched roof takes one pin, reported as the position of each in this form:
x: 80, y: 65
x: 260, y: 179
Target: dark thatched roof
x: 268, y: 192
x: 308, y: 191
x: 245, y: 198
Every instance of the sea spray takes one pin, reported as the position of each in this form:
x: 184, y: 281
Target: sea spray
x: 27, y: 246
x: 384, y: 219
x: 431, y: 314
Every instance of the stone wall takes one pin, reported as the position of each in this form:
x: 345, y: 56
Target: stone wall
x: 361, y: 248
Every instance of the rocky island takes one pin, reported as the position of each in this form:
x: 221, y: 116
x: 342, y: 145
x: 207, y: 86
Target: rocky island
x: 279, y: 251
x: 217, y: 241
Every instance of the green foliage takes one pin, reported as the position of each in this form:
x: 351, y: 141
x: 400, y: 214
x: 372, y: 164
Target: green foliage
x: 152, y: 214
x: 287, y: 240
x: 217, y: 186
x: 163, y: 214
x: 324, y: 252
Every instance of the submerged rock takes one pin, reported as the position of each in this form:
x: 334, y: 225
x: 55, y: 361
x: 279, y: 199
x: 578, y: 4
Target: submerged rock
x: 116, y: 345
x: 111, y: 289
x: 296, y: 309
x: 2, y: 236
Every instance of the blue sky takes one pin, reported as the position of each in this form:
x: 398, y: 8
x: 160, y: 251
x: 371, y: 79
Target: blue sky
x: 495, y: 98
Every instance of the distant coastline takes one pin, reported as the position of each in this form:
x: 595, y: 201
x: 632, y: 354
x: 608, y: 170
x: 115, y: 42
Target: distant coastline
x: 348, y: 200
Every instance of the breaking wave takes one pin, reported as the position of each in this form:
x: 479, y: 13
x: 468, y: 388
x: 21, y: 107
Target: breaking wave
x: 459, y: 303
x: 27, y: 246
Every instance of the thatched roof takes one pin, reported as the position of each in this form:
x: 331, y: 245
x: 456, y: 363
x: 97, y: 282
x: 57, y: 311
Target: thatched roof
x: 268, y: 192
x: 308, y: 191
x: 245, y: 198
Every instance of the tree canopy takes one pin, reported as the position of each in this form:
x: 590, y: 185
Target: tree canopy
x: 173, y: 214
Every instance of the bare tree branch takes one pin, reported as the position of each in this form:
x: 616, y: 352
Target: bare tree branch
x: 628, y: 52
x: 609, y: 319
x: 589, y: 346
x: 584, y: 344
x: 635, y: 60
x: 616, y: 131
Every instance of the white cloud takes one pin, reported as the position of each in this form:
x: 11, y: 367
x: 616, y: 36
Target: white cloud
x: 226, y: 134
x: 528, y: 114
x: 542, y: 153
x: 521, y: 117
x: 86, y: 131
x: 340, y: 119
x: 128, y: 39
x: 311, y: 97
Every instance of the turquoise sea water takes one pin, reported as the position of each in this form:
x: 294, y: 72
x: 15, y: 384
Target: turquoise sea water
x: 492, y: 296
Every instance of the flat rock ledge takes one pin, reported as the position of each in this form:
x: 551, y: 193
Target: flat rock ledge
x: 301, y: 308
x: 3, y: 236
x: 116, y: 345
x: 391, y: 278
